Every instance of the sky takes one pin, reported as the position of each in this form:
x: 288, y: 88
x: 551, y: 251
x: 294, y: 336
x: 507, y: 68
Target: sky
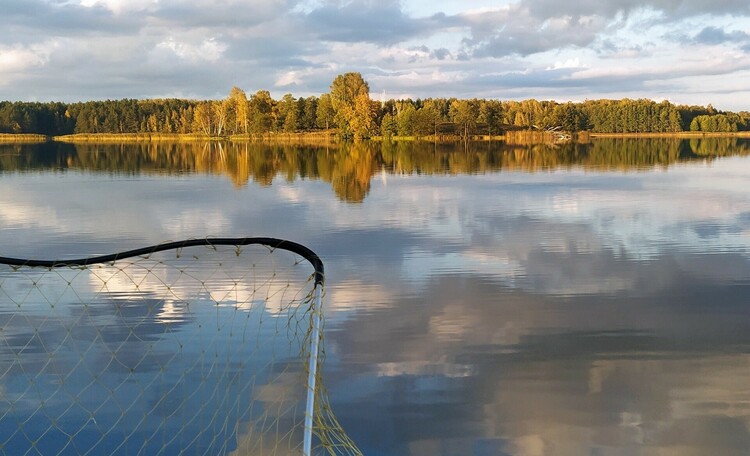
x: 684, y: 51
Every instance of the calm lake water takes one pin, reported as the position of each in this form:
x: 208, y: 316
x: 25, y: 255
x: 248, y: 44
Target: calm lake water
x: 494, y: 299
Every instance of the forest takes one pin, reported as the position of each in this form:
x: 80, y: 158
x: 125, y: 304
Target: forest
x: 349, y: 109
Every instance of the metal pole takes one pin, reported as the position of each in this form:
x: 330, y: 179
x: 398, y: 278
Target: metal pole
x: 313, y: 370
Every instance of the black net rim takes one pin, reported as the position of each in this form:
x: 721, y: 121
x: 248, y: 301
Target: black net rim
x: 272, y: 243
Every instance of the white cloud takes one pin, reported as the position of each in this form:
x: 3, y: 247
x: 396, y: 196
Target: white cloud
x: 288, y: 78
x: 569, y: 63
x: 208, y: 50
x: 118, y: 6
x: 416, y: 48
x: 17, y: 58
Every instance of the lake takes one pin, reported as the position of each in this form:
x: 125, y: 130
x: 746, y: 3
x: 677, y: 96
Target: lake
x: 481, y: 299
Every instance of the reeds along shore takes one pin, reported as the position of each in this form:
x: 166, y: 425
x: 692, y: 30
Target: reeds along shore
x: 330, y: 136
x: 681, y: 134
x: 22, y: 138
x: 190, y: 137
x: 128, y: 137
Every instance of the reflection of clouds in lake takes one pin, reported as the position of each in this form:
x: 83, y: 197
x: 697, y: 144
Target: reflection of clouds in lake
x: 357, y: 295
x: 471, y: 312
x: 22, y: 215
x: 645, y: 220
x: 54, y: 322
x: 422, y: 368
x: 535, y: 373
x: 640, y: 408
x: 291, y: 195
x: 195, y: 220
x: 247, y: 279
x: 421, y: 265
x: 565, y: 259
x: 277, y: 403
x: 128, y: 305
x: 551, y: 232
x: 636, y: 214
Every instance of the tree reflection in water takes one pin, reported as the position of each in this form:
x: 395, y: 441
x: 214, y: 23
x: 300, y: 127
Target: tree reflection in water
x: 350, y: 167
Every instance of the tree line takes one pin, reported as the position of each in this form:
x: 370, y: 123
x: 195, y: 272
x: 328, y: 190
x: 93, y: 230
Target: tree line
x: 349, y: 109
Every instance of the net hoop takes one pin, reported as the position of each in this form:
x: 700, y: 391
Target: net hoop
x: 273, y: 243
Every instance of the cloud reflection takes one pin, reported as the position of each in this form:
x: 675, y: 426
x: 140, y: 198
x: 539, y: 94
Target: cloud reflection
x: 541, y: 376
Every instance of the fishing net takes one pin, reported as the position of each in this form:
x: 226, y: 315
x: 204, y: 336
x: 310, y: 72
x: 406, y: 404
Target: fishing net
x: 195, y: 347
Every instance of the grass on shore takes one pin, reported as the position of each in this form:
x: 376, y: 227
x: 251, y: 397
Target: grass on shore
x: 187, y: 137
x: 22, y: 138
x: 316, y: 137
x: 679, y: 134
x: 128, y: 137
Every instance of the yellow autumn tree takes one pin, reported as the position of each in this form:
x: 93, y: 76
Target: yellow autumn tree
x: 350, y: 99
x: 363, y: 118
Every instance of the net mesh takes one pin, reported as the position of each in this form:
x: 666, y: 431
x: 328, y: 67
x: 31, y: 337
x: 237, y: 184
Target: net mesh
x: 195, y: 350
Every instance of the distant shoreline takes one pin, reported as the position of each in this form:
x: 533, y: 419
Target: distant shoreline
x: 330, y: 137
x: 679, y: 134
x: 22, y: 138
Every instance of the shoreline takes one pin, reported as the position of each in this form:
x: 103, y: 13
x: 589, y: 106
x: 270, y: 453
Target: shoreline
x: 679, y: 134
x: 30, y: 138
x: 104, y: 138
x: 330, y: 137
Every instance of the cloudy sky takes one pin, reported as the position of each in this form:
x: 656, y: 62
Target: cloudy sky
x: 686, y: 51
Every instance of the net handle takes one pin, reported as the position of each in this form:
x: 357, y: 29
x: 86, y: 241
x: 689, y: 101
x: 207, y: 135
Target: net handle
x: 312, y: 372
x: 272, y: 243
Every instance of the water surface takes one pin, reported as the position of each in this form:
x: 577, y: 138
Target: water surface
x: 495, y: 299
